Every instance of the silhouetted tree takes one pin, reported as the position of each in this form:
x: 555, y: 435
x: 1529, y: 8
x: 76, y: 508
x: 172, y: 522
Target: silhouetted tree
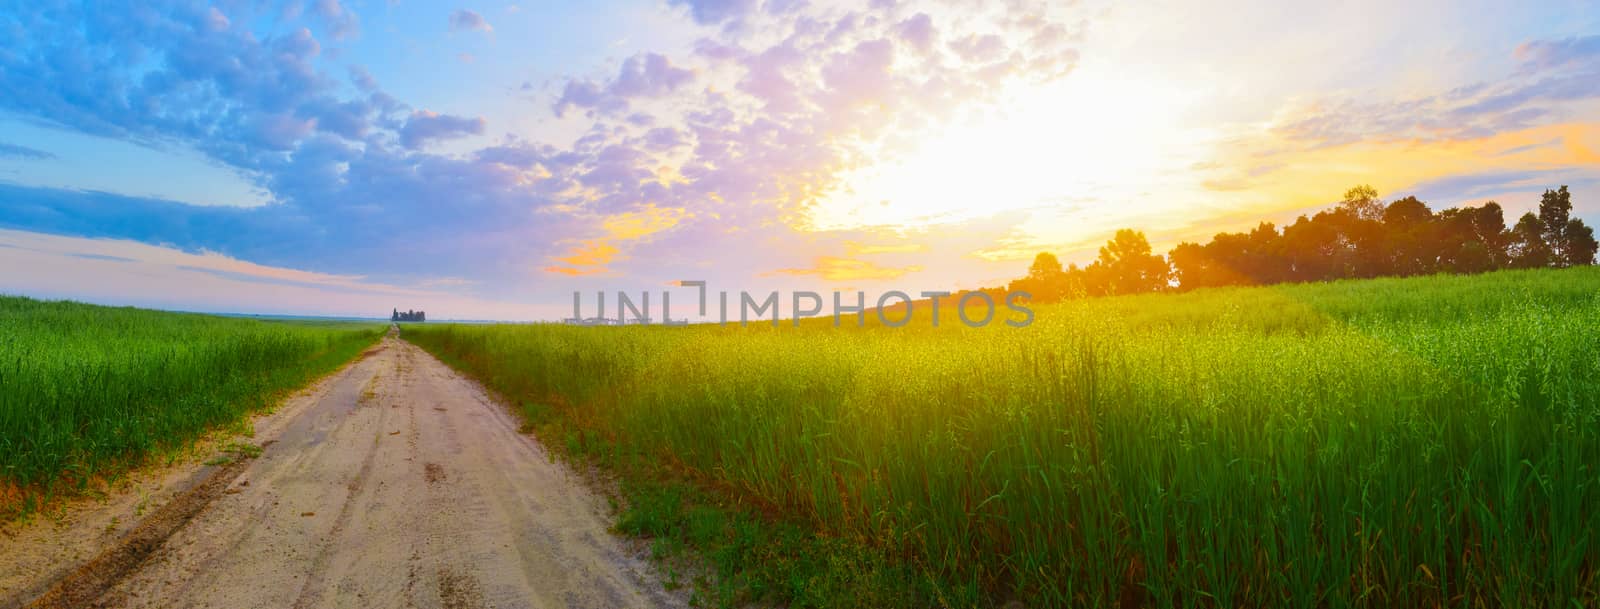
x: 1313, y: 248
x: 1362, y: 203
x: 1193, y: 267
x: 1412, y: 240
x: 1046, y: 281
x: 1470, y: 239
x: 1406, y: 213
x: 1231, y: 251
x: 1045, y: 266
x: 1268, y: 264
x: 1570, y: 241
x: 1358, y: 237
x: 1580, y: 247
x: 1489, y: 224
x: 1555, y: 210
x: 1128, y: 267
x: 1528, y: 248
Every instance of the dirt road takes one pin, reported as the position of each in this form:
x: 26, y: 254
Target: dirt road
x: 395, y: 483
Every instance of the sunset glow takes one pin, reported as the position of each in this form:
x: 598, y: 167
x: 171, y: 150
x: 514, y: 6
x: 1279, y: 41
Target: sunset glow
x: 1038, y: 149
x: 763, y: 144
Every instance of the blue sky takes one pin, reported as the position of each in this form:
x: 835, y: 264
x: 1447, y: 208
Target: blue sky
x: 486, y: 160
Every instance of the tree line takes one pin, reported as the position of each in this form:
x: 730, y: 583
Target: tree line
x: 1359, y: 237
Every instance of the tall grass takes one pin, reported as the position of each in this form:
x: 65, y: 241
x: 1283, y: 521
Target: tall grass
x: 1426, y: 441
x: 86, y: 390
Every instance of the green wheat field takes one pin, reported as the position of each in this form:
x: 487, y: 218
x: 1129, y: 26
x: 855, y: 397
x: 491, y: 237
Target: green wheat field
x: 88, y: 391
x: 1410, y: 442
x: 1428, y: 441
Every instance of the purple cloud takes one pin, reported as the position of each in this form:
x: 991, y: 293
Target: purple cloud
x: 465, y: 20
x: 714, y: 12
x: 768, y: 78
x: 649, y: 75
x: 1549, y: 54
x: 339, y: 21
x: 660, y: 139
x: 347, y: 119
x: 1552, y: 72
x: 860, y: 74
x: 642, y: 76
x: 782, y: 113
x: 917, y: 32
x: 424, y: 127
x: 363, y: 80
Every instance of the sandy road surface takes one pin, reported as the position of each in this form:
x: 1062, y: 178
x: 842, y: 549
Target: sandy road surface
x: 396, y: 483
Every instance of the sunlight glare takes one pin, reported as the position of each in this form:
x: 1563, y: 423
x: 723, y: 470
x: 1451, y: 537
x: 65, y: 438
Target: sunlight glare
x: 1060, y: 144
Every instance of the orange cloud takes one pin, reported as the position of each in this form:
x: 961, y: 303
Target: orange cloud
x: 590, y: 256
x: 594, y: 252
x: 1300, y: 178
x: 573, y: 272
x: 636, y: 224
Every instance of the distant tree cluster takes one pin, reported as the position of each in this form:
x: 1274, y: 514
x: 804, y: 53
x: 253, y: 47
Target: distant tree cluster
x: 1359, y: 237
x: 408, y: 316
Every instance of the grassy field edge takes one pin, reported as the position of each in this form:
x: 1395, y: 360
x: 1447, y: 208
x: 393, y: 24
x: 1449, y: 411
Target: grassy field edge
x: 1422, y: 441
x: 230, y: 402
x: 727, y: 546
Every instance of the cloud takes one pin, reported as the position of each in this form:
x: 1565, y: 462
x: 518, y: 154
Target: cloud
x: 1484, y: 184
x: 25, y: 153
x: 649, y: 75
x: 715, y: 12
x: 425, y: 127
x: 429, y: 219
x: 465, y: 20
x: 574, y: 271
x: 592, y: 252
x: 769, y: 78
x: 638, y: 224
x: 860, y: 75
x: 645, y: 75
x: 1551, y: 72
x: 1506, y: 136
x: 340, y: 22
x: 53, y: 266
x: 363, y: 80
x: 1444, y: 171
x: 348, y: 119
x: 1552, y: 54
x: 592, y: 256
x: 917, y: 32
x: 681, y: 157
x: 980, y: 48
x: 663, y: 139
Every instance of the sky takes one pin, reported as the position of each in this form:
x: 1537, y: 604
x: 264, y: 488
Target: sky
x: 487, y: 160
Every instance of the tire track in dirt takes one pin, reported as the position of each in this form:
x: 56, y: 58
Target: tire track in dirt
x: 311, y: 594
x: 88, y: 583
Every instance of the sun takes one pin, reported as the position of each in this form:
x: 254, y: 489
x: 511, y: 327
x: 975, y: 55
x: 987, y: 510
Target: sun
x: 1091, y: 135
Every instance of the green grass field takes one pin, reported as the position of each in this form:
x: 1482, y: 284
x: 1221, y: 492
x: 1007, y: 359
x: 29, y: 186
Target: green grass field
x: 89, y: 391
x: 1428, y: 441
